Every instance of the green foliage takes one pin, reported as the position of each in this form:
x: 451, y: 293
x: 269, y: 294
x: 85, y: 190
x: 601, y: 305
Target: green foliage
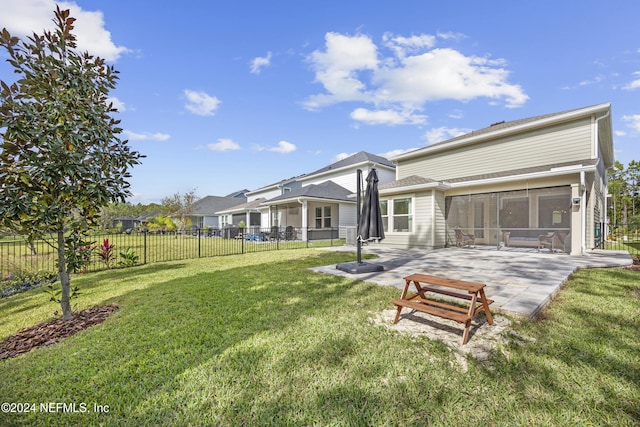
x: 61, y: 159
x: 78, y: 253
x: 624, y: 187
x: 25, y: 280
x: 55, y: 292
x: 128, y: 258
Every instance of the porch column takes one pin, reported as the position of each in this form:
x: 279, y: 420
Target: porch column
x: 305, y: 219
x: 577, y: 227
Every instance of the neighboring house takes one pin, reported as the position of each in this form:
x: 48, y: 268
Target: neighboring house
x: 205, y: 211
x: 507, y: 184
x: 269, y: 192
x: 246, y: 212
x: 130, y: 223
x: 324, y: 199
x: 126, y: 222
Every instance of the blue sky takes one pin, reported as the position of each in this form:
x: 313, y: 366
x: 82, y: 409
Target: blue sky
x: 227, y: 95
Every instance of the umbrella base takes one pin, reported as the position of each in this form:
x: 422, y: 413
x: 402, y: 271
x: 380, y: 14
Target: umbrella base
x: 359, y: 267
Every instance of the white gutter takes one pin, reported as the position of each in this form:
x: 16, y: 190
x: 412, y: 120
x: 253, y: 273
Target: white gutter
x: 533, y: 175
x: 419, y: 187
x: 596, y: 139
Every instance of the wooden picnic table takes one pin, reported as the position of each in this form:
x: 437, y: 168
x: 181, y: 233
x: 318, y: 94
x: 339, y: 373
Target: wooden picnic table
x: 424, y: 283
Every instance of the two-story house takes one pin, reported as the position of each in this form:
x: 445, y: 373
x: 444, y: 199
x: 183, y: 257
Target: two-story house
x: 313, y: 203
x: 509, y: 184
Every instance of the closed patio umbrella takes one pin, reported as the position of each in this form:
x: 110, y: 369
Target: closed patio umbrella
x: 370, y: 226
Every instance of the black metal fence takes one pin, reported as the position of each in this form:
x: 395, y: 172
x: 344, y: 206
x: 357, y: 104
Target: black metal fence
x: 625, y: 237
x: 110, y: 250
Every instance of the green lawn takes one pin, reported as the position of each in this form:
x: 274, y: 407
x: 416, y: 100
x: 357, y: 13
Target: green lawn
x: 258, y: 339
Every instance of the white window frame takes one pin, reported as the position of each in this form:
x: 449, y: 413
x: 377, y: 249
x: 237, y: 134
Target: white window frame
x: 391, y: 214
x: 322, y: 216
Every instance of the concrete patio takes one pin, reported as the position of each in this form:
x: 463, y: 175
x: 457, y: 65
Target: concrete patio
x: 520, y: 281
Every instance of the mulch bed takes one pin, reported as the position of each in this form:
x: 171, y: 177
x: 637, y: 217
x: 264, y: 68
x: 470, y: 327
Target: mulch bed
x: 51, y: 332
x: 636, y: 264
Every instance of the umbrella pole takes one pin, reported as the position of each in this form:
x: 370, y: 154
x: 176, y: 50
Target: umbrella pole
x: 359, y: 241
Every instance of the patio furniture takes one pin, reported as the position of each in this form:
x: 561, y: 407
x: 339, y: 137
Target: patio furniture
x: 450, y: 288
x: 464, y: 239
x: 522, y: 238
x: 552, y: 240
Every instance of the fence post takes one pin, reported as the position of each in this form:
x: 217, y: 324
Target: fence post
x: 243, y: 234
x: 144, y: 245
x: 199, y: 235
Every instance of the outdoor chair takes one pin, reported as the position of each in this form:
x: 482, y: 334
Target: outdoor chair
x: 552, y: 240
x: 464, y: 239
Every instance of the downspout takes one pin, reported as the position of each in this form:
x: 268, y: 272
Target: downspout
x: 583, y: 208
x: 583, y: 182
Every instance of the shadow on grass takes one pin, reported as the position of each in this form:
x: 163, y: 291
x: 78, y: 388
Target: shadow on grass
x: 171, y: 327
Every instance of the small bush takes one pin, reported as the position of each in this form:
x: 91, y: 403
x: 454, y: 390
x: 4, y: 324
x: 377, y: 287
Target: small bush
x: 23, y: 281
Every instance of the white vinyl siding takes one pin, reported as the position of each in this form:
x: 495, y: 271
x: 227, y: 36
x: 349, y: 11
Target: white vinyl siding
x: 560, y: 143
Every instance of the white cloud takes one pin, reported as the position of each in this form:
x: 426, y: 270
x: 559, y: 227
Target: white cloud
x: 634, y: 84
x: 633, y: 122
x: 283, y: 147
x: 341, y: 156
x: 117, y: 104
x: 387, y: 117
x: 146, y: 136
x: 224, y: 144
x: 23, y: 18
x: 456, y: 114
x: 260, y: 62
x: 401, y: 46
x: 443, y: 133
x: 337, y: 68
x: 200, y: 103
x: 351, y: 69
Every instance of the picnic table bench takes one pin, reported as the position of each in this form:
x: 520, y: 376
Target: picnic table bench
x: 478, y: 302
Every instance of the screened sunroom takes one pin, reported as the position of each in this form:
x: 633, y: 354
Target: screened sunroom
x: 535, y: 218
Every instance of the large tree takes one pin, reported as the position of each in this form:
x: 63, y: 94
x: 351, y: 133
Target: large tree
x: 60, y: 156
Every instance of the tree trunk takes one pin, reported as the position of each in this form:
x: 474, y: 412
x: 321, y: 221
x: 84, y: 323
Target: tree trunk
x: 65, y: 281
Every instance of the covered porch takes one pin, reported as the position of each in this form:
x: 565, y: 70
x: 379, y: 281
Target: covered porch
x: 311, y: 212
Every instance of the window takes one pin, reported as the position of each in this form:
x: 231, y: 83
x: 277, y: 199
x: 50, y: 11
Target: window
x: 402, y: 218
x: 397, y: 215
x: 323, y: 217
x: 385, y: 214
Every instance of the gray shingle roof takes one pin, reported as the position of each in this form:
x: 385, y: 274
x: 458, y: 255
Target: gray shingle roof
x: 523, y: 171
x: 327, y: 190
x: 355, y: 159
x: 244, y: 206
x: 209, y: 205
x: 406, y: 182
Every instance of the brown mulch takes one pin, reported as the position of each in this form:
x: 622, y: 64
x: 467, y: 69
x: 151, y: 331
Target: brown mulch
x: 636, y: 264
x: 51, y: 332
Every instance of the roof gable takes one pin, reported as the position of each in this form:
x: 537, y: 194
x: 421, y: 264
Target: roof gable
x: 209, y: 205
x: 328, y: 190
x: 355, y: 159
x: 501, y: 129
